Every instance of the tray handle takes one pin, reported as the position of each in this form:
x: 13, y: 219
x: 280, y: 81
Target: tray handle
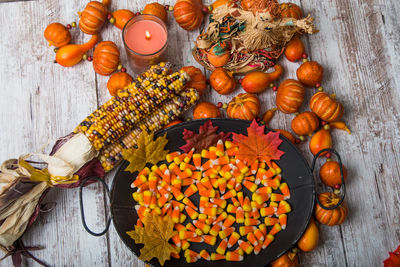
x: 82, y: 209
x: 343, y: 186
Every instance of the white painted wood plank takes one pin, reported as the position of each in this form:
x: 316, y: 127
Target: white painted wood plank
x: 42, y: 101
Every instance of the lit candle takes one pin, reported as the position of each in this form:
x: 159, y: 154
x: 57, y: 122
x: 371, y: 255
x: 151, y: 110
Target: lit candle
x: 145, y: 38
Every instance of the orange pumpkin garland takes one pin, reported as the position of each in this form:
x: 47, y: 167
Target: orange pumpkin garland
x: 197, y: 79
x: 188, y: 14
x: 93, y: 17
x: 326, y: 107
x: 244, y: 106
x: 105, y: 58
x: 290, y: 96
x: 222, y: 81
x: 330, y: 217
x: 118, y: 81
x: 57, y: 34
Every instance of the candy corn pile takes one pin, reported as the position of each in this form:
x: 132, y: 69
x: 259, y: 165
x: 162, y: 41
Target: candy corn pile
x: 214, y: 198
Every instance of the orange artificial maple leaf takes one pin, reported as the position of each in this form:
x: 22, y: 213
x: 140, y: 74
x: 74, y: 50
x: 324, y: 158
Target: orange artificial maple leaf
x: 257, y: 145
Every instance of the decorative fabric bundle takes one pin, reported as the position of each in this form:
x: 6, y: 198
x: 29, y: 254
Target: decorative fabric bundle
x: 154, y: 99
x: 254, y: 39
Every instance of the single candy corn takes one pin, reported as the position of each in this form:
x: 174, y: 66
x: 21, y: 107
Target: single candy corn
x: 235, y: 202
x: 197, y: 239
x: 210, y: 239
x: 267, y: 211
x: 141, y: 179
x: 283, y: 207
x: 212, y: 211
x: 217, y: 257
x: 232, y: 256
x: 185, y: 244
x: 246, y: 204
x: 206, y: 192
x: 221, y: 217
x: 244, y: 230
x: 202, y: 226
x: 277, y: 197
x: 240, y: 198
x: 277, y: 228
x: 170, y: 157
x: 226, y: 232
x: 191, y: 212
x: 231, y: 193
x: 176, y: 254
x: 220, y: 202
x: 222, y: 185
x: 265, y: 190
x: 191, y: 259
x: 205, y: 255
x: 189, y: 227
x: 220, y: 152
x: 192, y: 189
x: 229, y: 221
x: 239, y: 215
x: 268, y: 239
x: 246, y: 246
x: 180, y: 205
x: 197, y: 175
x: 233, y: 239
x: 283, y: 221
x: 197, y: 160
x: 222, y: 246
x: 175, y: 215
x: 180, y: 227
x: 177, y: 240
x: 258, y: 248
x: 191, y: 253
x: 263, y: 229
x: 252, y: 187
x: 184, y: 234
x: 212, y: 152
x: 188, y: 202
x: 182, y: 218
x: 231, y: 208
x: 259, y: 235
x: 270, y: 221
x: 252, y: 238
x: 179, y: 159
x: 285, y: 190
x: 189, y: 155
x: 177, y: 193
x: 215, y: 229
x: 274, y: 183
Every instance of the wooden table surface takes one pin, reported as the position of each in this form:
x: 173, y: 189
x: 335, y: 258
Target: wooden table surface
x: 358, y: 45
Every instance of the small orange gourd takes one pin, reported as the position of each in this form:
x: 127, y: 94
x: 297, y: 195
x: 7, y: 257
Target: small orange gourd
x: 257, y: 81
x: 222, y: 81
x: 290, y: 96
x: 330, y: 173
x: 309, y: 240
x: 105, y: 58
x: 305, y: 123
x: 157, y: 10
x: 205, y: 110
x: 122, y: 16
x: 244, y: 106
x: 326, y: 107
x: 218, y: 60
x: 320, y: 140
x: 93, y: 17
x: 118, y: 81
x: 197, y: 79
x: 219, y: 3
x: 255, y: 5
x: 294, y: 49
x: 290, y: 10
x: 330, y: 217
x: 57, y: 34
x: 310, y: 73
x: 188, y: 14
x: 72, y: 54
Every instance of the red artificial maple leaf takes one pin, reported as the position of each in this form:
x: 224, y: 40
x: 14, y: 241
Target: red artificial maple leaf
x: 257, y: 145
x: 206, y: 137
x: 394, y: 259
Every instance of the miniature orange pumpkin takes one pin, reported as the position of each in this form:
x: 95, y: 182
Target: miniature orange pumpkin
x: 93, y: 17
x: 118, y: 81
x: 288, y: 259
x: 205, y: 110
x: 309, y: 239
x: 197, y: 79
x: 320, y: 140
x: 157, y: 10
x: 222, y: 81
x: 257, y: 81
x: 330, y: 173
x: 244, y: 106
x: 122, y: 16
x: 219, y: 3
x: 290, y: 96
x: 305, y: 123
x: 310, y: 73
x: 287, y: 134
x: 105, y: 58
x: 57, y: 34
x: 218, y: 60
x: 188, y: 14
x: 290, y: 10
x: 172, y: 123
x: 294, y: 49
x: 326, y: 107
x: 330, y: 217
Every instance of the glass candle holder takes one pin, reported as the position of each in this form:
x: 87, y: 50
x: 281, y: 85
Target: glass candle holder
x: 145, y: 39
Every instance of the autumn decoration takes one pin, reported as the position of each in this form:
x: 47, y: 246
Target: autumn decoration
x: 305, y: 123
x: 268, y: 115
x: 105, y: 58
x: 222, y: 81
x: 57, y: 34
x: 310, y: 73
x: 218, y: 3
x: 295, y: 49
x: 330, y: 217
x: 288, y: 259
x: 205, y: 110
x: 309, y: 240
x: 93, y: 17
x: 287, y: 134
x: 291, y: 10
x: 188, y: 14
x: 197, y: 79
x: 290, y: 96
x: 218, y: 56
x: 122, y: 16
x: 244, y: 106
x: 257, y: 82
x: 326, y: 107
x: 157, y: 10
x: 329, y: 173
x: 320, y: 140
x: 71, y: 54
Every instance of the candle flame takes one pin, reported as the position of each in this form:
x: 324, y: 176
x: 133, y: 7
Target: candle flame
x: 148, y: 36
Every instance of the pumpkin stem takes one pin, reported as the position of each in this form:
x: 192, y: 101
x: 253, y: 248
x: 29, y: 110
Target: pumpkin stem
x: 79, y: 13
x: 91, y: 43
x: 333, y: 96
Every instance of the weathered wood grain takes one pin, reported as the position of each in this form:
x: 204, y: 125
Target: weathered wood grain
x: 357, y: 45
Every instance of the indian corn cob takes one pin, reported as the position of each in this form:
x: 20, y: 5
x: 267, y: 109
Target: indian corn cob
x: 120, y: 114
x: 110, y: 156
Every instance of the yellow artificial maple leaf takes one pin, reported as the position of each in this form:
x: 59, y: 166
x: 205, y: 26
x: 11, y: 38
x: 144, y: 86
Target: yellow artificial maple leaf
x: 147, y: 151
x: 154, y: 235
